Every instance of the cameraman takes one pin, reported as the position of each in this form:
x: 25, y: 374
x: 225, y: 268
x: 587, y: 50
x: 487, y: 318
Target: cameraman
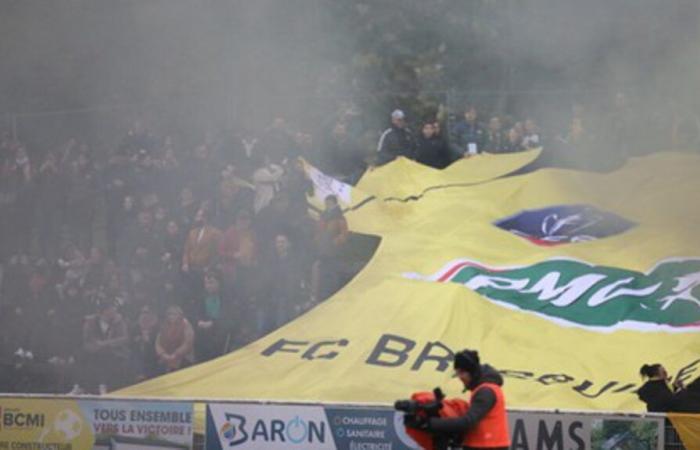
x: 485, y: 425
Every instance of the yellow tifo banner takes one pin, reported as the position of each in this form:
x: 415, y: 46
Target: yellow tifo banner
x: 688, y: 428
x: 403, y: 177
x: 565, y: 281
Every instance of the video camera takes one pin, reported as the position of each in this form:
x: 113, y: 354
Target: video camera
x: 424, y: 405
x: 429, y: 408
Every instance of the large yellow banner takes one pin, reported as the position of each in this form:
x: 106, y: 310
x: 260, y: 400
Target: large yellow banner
x: 565, y: 281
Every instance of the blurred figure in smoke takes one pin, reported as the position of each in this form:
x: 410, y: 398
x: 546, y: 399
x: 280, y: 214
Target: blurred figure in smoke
x: 495, y: 140
x: 621, y: 128
x: 201, y: 170
x: 175, y: 341
x: 531, y: 135
x: 467, y: 136
x: 297, y: 185
x: 685, y: 132
x: 50, y: 205
x: 277, y: 142
x: 201, y: 246
x: 169, y: 173
x: 341, y: 156
x: 234, y: 195
x: 105, y: 346
x: 187, y: 208
x: 397, y: 140
x: 122, y: 219
x: 266, y: 179
x: 81, y: 202
x: 143, y: 344
x: 16, y: 199
x: 171, y: 243
x: 513, y: 142
x: 210, y: 335
x: 284, y: 288
x: 331, y: 236
x: 430, y: 148
x: 200, y: 253
x: 137, y: 138
x: 238, y: 252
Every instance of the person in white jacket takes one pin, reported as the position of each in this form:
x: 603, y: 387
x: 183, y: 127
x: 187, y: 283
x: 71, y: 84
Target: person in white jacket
x: 266, y: 180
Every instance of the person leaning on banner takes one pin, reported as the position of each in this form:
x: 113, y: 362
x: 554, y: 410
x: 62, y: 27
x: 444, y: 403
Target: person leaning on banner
x: 659, y: 397
x: 485, y: 424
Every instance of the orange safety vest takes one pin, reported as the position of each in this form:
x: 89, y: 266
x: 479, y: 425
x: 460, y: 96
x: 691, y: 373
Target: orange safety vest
x: 492, y: 429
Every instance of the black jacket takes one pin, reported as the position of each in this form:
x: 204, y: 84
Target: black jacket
x: 480, y: 404
x: 395, y: 142
x: 688, y: 400
x: 432, y: 152
x: 657, y: 396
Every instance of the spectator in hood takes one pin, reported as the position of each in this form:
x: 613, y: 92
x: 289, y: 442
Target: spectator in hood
x: 397, y: 140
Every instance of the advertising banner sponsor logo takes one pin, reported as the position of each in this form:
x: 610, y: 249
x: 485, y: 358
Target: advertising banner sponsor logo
x: 79, y: 425
x: 572, y: 292
x: 247, y: 426
x: 45, y: 424
x: 268, y: 427
x: 539, y: 430
x: 143, y: 425
x: 564, y: 224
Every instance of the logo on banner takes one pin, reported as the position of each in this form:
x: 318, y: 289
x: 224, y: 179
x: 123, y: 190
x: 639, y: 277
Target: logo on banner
x: 68, y: 424
x: 293, y: 431
x: 564, y: 224
x: 572, y: 292
x: 14, y: 418
x: 233, y: 430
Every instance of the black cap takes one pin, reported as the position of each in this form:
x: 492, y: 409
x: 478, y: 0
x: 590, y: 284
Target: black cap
x: 468, y: 361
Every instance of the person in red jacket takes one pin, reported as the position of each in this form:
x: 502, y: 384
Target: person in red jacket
x: 485, y: 424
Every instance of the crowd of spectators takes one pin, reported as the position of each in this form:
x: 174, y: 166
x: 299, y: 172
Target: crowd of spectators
x: 154, y: 257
